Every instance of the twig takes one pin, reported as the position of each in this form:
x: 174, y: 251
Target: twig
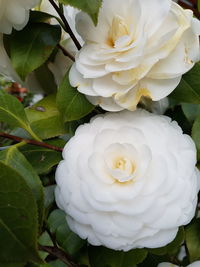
x: 66, y: 53
x: 30, y: 141
x: 60, y: 254
x: 67, y: 27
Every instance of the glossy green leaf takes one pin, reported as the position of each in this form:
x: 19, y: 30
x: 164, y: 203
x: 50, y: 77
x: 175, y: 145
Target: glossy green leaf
x: 15, y: 160
x: 89, y: 6
x: 188, y: 90
x: 72, y: 104
x: 46, y: 79
x: 32, y: 46
x: 12, y: 112
x: 191, y: 111
x: 45, y: 118
x: 42, y: 159
x: 68, y: 240
x: 104, y: 257
x: 193, y: 240
x: 18, y: 219
x: 196, y: 135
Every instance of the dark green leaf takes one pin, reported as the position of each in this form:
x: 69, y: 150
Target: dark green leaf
x: 15, y: 160
x: 39, y: 16
x: 72, y: 104
x: 104, y: 257
x: 18, y: 219
x: 45, y: 118
x: 12, y: 112
x: 42, y: 159
x: 191, y: 111
x: 46, y: 79
x: 196, y: 135
x: 193, y: 240
x: 32, y: 46
x: 89, y: 6
x: 68, y: 240
x: 188, y: 90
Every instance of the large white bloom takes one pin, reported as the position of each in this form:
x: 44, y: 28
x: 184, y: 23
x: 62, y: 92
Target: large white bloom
x: 139, y: 48
x: 128, y: 180
x: 14, y: 13
x: 168, y: 264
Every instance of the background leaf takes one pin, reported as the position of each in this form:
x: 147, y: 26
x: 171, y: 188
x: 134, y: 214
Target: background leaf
x: 12, y: 112
x: 45, y: 118
x: 18, y: 219
x: 15, y: 160
x: 89, y: 6
x: 72, y: 104
x: 104, y: 257
x: 32, y: 46
x: 188, y: 90
x: 196, y: 135
x: 193, y: 240
x: 68, y: 240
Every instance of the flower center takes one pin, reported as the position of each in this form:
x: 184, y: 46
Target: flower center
x: 118, y: 29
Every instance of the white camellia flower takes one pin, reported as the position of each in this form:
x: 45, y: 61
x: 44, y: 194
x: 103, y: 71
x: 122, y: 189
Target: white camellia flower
x: 168, y: 264
x: 128, y: 180
x: 14, y: 13
x: 139, y: 48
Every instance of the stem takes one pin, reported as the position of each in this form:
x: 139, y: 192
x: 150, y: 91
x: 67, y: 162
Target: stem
x: 66, y: 53
x: 29, y: 141
x: 60, y: 254
x: 67, y: 27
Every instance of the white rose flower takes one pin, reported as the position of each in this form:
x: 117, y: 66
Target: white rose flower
x: 128, y: 180
x: 168, y: 264
x: 14, y: 13
x: 139, y: 48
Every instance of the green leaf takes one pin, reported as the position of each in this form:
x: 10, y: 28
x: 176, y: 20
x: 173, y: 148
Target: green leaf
x: 72, y: 104
x: 68, y: 240
x: 198, y: 5
x: 46, y: 79
x: 32, y: 46
x: 45, y: 118
x: 193, y: 240
x: 15, y: 160
x: 18, y: 219
x: 188, y: 90
x: 196, y: 135
x: 91, y: 7
x: 12, y: 112
x: 42, y: 159
x: 191, y: 111
x: 104, y: 257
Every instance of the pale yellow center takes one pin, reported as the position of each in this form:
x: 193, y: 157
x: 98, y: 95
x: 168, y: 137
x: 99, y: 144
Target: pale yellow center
x: 118, y: 29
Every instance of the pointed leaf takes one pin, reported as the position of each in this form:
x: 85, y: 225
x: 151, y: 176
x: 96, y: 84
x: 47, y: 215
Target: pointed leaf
x: 15, y: 160
x: 18, y: 219
x: 72, y: 104
x: 32, y: 46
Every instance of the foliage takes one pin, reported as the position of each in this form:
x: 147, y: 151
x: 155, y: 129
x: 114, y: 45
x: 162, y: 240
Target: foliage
x: 30, y: 221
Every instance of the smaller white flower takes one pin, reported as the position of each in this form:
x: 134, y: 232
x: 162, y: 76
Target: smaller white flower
x: 168, y: 264
x: 14, y: 14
